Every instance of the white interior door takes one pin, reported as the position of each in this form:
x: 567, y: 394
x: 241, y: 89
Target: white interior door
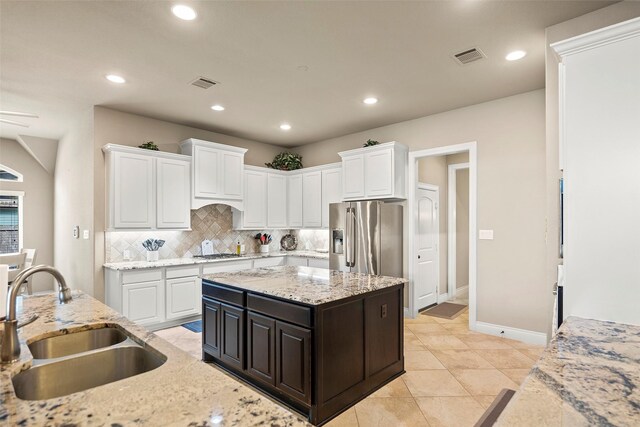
x: 427, y: 254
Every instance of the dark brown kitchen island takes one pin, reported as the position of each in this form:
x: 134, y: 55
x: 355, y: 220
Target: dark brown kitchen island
x: 316, y: 340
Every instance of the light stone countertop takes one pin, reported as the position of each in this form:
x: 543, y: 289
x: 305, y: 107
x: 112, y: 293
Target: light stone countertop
x: 588, y: 375
x: 311, y: 286
x: 182, y: 392
x: 172, y: 262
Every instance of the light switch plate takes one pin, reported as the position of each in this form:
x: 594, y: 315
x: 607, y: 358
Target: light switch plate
x: 76, y: 232
x: 485, y: 235
x: 126, y: 254
x: 85, y: 234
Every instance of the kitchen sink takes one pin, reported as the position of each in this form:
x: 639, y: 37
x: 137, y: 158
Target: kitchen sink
x: 74, y: 374
x: 76, y: 342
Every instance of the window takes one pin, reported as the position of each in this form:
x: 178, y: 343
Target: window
x: 8, y: 174
x: 10, y: 221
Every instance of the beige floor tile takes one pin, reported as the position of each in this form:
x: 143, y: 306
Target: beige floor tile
x: 460, y: 320
x: 347, y: 419
x: 461, y: 359
x: 421, y: 360
x: 508, y: 359
x: 484, y: 342
x: 450, y: 411
x: 442, y: 342
x: 485, y: 401
x: 532, y: 353
x: 389, y: 411
x: 457, y: 328
x: 421, y: 318
x: 516, y: 375
x: 483, y: 381
x: 411, y: 342
x: 433, y: 383
x: 427, y: 328
x: 396, y: 388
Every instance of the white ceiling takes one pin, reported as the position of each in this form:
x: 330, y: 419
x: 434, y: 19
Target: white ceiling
x: 54, y: 55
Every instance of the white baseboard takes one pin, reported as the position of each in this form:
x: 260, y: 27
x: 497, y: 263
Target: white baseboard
x: 406, y: 312
x: 461, y: 290
x: 530, y: 337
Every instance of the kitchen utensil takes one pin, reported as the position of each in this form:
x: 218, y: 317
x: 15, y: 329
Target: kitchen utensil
x: 288, y: 242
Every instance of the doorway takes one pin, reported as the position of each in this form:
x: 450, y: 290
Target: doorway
x: 418, y: 293
x: 427, y: 261
x: 458, y: 233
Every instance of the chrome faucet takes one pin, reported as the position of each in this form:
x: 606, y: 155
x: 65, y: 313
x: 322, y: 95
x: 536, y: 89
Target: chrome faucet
x: 10, y: 350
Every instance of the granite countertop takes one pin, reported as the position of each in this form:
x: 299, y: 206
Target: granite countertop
x: 311, y: 286
x: 588, y: 375
x: 171, y: 262
x: 183, y: 391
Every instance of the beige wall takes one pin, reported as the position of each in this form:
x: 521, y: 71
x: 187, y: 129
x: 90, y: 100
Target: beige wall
x: 510, y: 133
x: 37, y: 205
x: 73, y: 204
x: 115, y: 127
x: 462, y: 228
x: 601, y: 18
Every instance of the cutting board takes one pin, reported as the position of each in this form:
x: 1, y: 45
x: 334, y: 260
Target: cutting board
x: 207, y: 247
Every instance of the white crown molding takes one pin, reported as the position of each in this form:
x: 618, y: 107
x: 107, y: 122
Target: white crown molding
x: 603, y: 36
x: 152, y: 153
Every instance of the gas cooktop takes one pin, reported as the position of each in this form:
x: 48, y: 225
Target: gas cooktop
x: 217, y: 256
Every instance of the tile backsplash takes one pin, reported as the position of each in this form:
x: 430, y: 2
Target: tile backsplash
x: 213, y: 222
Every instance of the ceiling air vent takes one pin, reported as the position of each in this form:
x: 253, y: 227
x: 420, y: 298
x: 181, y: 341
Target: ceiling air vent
x: 468, y: 56
x: 204, y: 82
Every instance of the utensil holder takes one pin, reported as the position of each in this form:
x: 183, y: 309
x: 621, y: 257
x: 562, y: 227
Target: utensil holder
x: 264, y: 249
x: 153, y: 256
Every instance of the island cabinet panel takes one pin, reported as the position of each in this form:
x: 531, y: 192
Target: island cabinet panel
x: 211, y: 327
x: 384, y: 347
x: 293, y: 348
x: 261, y: 347
x: 232, y: 336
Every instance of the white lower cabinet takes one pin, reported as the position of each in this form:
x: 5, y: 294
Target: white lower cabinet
x: 297, y: 261
x: 318, y: 263
x: 183, y: 297
x: 143, y: 303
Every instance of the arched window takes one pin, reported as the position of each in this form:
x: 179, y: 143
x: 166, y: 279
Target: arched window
x: 8, y: 174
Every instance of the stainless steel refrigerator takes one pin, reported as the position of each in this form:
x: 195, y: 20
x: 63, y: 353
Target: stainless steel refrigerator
x: 366, y: 237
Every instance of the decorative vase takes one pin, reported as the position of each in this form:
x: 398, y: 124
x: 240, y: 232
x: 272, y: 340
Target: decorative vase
x: 264, y: 249
x: 153, y: 256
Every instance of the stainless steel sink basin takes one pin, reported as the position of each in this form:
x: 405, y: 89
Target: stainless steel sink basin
x: 74, y: 374
x: 76, y: 342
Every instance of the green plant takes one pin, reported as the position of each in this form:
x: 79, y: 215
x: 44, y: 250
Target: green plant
x: 149, y: 145
x: 370, y: 143
x: 286, y: 162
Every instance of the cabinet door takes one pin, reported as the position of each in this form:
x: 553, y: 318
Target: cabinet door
x: 331, y: 192
x: 379, y: 173
x: 183, y: 297
x: 318, y: 263
x: 231, y: 174
x: 293, y: 361
x: 133, y: 192
x: 353, y: 177
x: 211, y: 312
x: 232, y: 334
x: 276, y: 200
x: 312, y: 199
x: 297, y: 261
x: 255, y: 200
x: 173, y: 194
x: 143, y: 303
x: 294, y: 200
x: 261, y: 348
x: 206, y: 171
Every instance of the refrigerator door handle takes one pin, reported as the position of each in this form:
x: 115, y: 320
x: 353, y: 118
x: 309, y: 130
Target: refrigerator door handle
x: 352, y: 237
x: 347, y: 240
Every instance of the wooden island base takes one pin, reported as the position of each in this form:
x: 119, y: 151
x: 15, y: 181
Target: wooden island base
x: 316, y: 359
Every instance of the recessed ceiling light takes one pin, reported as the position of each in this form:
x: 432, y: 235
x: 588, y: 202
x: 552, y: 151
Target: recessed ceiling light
x: 217, y: 107
x: 370, y: 101
x: 114, y: 78
x: 184, y: 12
x: 285, y: 126
x: 515, y: 55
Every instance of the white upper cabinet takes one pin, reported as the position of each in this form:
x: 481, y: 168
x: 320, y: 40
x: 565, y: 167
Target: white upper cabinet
x: 377, y: 172
x: 173, y: 180
x: 217, y: 173
x: 255, y: 201
x: 294, y: 201
x: 312, y: 199
x: 276, y: 200
x: 147, y: 190
x: 331, y: 191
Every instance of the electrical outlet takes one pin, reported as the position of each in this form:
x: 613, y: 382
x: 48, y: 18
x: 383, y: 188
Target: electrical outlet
x: 126, y: 254
x: 383, y: 311
x: 76, y: 232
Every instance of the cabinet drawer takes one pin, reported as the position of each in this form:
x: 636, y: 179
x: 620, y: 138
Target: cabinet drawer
x: 268, y: 262
x: 297, y: 261
x: 138, y: 276
x: 175, y: 272
x: 280, y: 310
x: 225, y: 267
x: 318, y: 263
x: 221, y: 293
